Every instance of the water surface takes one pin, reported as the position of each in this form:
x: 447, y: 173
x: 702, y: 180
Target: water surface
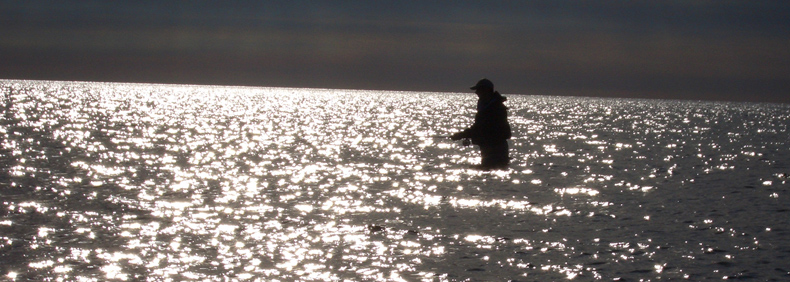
x: 142, y: 182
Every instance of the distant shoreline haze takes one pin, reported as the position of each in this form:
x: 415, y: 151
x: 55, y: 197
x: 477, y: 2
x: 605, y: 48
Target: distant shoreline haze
x: 462, y: 89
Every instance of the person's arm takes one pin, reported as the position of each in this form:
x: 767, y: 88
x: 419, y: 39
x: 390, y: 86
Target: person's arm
x: 489, y: 125
x: 467, y: 133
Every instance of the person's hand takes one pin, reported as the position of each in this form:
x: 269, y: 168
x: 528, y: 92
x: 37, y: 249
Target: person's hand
x: 467, y: 142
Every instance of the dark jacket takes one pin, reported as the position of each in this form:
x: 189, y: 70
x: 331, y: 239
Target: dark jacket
x: 491, y: 126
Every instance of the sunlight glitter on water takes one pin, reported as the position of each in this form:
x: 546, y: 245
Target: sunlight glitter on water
x: 105, y: 181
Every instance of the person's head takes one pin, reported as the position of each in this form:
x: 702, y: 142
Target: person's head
x: 484, y: 87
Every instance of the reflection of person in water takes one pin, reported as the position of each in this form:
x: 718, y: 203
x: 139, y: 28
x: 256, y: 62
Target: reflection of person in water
x: 490, y: 130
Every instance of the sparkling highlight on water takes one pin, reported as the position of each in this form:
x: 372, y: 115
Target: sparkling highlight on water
x: 143, y: 182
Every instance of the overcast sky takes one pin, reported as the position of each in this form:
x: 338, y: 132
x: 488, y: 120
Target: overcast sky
x: 691, y: 49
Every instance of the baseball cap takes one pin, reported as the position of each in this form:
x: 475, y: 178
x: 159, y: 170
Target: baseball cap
x: 483, y: 83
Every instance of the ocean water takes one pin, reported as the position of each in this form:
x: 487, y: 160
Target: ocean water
x: 143, y: 182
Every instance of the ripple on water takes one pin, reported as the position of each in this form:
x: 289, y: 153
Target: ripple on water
x: 107, y: 181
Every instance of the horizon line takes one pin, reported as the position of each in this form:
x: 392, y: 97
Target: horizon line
x: 394, y: 90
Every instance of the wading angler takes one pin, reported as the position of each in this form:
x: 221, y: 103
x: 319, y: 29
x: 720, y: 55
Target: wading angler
x: 491, y: 129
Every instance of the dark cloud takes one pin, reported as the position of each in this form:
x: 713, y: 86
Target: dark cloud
x: 719, y: 50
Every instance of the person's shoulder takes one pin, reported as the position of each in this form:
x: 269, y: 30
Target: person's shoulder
x: 501, y: 98
x: 501, y: 101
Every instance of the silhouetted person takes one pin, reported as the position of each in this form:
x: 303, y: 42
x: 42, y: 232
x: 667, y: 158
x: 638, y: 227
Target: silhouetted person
x: 491, y: 129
